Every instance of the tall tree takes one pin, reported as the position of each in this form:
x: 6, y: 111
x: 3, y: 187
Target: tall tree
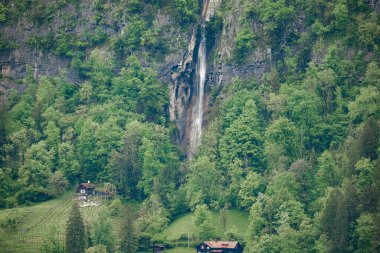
x: 67, y: 161
x: 328, y: 173
x: 250, y: 189
x: 302, y: 107
x: 102, y: 233
x: 365, y: 233
x: 281, y: 141
x: 153, y: 217
x: 366, y: 104
x: 75, y: 231
x: 203, y: 183
x: 87, y: 149
x: 202, y: 221
x: 35, y: 172
x: 57, y: 184
x: 366, y: 180
x: 242, y: 139
x: 129, y: 236
x: 339, y: 215
x: 141, y: 90
x: 304, y: 175
x: 126, y: 163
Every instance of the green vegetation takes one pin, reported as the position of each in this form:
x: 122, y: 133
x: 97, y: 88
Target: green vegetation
x: 6, y: 45
x: 52, y: 242
x: 244, y: 45
x: 43, y: 225
x: 184, y: 224
x: 26, y: 228
x: 186, y: 11
x: 29, y: 229
x: 129, y: 234
x: 181, y: 250
x: 213, y: 29
x: 75, y: 231
x: 176, y: 250
x: 3, y: 13
x: 289, y: 159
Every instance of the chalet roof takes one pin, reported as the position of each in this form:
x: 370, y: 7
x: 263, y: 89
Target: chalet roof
x: 158, y: 246
x: 87, y: 185
x: 222, y: 244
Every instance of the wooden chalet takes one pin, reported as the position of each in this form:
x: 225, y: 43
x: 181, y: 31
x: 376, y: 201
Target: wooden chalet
x: 219, y: 247
x: 158, y: 248
x: 84, y: 190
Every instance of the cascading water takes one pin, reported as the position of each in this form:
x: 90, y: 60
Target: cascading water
x: 199, y: 83
x: 188, y: 100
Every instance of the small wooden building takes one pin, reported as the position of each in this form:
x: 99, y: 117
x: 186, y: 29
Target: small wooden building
x: 158, y: 249
x: 219, y: 247
x: 84, y: 190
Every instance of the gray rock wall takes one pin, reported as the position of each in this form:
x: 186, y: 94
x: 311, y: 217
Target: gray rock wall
x: 176, y: 69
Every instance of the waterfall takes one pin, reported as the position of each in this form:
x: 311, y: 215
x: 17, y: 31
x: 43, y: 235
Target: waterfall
x: 198, y: 96
x: 188, y: 102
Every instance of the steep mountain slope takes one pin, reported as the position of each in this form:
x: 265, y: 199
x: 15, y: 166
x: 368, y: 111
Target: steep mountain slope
x: 271, y: 107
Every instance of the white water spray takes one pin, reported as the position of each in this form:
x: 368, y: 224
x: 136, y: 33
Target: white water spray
x: 197, y: 112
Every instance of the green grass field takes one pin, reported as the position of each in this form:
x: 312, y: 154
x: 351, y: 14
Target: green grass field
x: 176, y: 250
x: 24, y: 229
x: 181, y: 250
x: 183, y: 225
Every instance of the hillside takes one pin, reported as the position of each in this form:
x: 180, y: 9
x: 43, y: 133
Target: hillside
x: 28, y: 228
x: 191, y: 110
x: 25, y: 229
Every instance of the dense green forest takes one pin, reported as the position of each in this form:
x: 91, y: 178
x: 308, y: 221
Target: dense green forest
x: 297, y: 148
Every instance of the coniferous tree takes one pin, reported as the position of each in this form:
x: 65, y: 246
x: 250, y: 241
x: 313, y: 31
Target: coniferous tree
x: 75, y: 231
x: 129, y: 236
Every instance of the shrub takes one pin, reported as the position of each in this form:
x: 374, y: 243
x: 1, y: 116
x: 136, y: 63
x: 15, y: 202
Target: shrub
x: 186, y: 10
x: 3, y: 13
x: 115, y: 206
x: 213, y: 27
x: 244, y: 44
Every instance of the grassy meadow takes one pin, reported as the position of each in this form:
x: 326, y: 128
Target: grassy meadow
x: 24, y: 229
x: 183, y: 225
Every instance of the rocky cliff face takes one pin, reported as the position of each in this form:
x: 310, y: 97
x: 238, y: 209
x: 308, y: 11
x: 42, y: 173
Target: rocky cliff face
x: 178, y: 67
x: 184, y: 92
x: 28, y: 38
x: 220, y: 68
x: 20, y: 31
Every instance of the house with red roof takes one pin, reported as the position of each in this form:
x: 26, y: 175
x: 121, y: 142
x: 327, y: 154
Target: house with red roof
x: 219, y: 247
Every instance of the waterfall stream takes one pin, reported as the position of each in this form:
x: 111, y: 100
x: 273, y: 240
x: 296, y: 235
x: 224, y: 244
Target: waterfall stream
x: 199, y: 83
x: 188, y: 99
